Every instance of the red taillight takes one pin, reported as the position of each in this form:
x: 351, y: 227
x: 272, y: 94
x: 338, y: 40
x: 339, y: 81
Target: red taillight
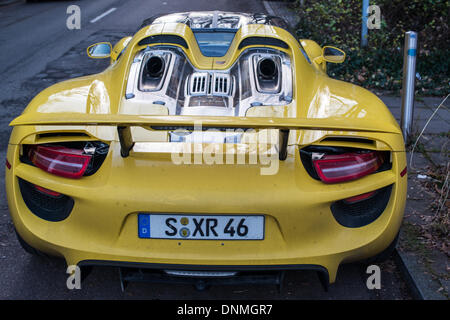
x: 47, y: 191
x: 360, y: 197
x: 61, y: 161
x: 8, y: 165
x: 346, y: 166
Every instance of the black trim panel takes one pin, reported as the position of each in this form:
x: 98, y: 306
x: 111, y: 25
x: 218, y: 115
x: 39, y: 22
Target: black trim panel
x: 143, y: 265
x: 166, y: 38
x: 264, y: 41
x: 322, y: 272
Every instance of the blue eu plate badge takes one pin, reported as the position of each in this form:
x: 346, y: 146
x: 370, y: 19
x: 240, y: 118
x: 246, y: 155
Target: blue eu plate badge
x: 144, y: 226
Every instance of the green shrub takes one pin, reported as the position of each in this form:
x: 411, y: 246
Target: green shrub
x: 379, y: 65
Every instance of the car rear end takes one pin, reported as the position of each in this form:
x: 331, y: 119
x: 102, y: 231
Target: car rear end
x: 333, y: 199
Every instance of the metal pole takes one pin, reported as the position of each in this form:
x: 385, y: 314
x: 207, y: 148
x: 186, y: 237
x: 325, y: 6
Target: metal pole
x: 409, y: 77
x: 365, y: 5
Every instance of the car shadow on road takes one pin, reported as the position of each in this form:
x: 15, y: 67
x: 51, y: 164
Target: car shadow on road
x: 45, y: 278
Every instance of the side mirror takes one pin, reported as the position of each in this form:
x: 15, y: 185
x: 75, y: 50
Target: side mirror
x: 333, y: 54
x: 99, y: 50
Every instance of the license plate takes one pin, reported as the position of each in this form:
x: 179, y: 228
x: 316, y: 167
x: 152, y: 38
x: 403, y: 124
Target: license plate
x: 207, y: 227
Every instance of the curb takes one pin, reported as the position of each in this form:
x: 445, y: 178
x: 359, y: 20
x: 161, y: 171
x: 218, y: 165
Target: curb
x: 408, y: 276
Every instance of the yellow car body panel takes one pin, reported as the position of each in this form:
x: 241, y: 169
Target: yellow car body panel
x: 299, y: 226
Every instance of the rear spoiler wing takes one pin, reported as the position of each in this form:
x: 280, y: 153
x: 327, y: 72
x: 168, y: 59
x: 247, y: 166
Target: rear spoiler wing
x: 125, y: 122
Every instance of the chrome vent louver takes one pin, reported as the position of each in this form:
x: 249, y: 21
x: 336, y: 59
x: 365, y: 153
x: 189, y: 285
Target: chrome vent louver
x: 199, y: 83
x: 204, y: 83
x: 222, y: 84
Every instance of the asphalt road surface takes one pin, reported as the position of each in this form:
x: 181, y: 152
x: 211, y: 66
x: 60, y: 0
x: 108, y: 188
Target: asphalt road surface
x: 38, y: 50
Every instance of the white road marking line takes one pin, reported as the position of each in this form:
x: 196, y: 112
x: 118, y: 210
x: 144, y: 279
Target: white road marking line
x: 104, y: 14
x: 268, y: 8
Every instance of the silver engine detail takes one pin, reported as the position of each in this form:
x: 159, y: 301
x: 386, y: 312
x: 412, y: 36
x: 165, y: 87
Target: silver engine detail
x: 163, y: 75
x: 211, y: 89
x: 209, y: 83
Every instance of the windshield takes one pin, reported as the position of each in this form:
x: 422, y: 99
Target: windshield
x: 214, y: 43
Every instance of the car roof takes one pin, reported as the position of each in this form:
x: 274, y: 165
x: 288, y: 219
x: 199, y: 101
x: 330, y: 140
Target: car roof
x: 216, y: 20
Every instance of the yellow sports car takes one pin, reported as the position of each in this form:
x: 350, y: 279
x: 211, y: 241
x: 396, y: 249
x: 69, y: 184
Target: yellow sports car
x: 214, y: 147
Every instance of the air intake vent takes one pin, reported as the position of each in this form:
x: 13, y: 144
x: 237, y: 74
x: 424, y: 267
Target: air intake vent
x: 49, y: 207
x: 216, y: 84
x: 62, y: 134
x: 222, y: 84
x: 199, y: 83
x: 348, y: 139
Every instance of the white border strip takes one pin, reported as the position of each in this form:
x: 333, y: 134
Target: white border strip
x: 103, y: 15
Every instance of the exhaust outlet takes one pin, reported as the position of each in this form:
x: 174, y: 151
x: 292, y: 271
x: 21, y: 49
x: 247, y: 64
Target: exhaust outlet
x: 155, y: 66
x: 267, y: 69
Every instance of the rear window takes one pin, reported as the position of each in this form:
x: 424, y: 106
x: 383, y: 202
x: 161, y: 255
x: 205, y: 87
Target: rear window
x: 214, y: 43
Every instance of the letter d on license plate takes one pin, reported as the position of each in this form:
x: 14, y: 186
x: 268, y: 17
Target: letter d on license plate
x: 208, y: 227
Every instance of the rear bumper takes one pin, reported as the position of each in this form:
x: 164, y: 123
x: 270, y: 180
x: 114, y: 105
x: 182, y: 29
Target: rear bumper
x: 300, y: 232
x: 164, y: 266
x: 155, y: 273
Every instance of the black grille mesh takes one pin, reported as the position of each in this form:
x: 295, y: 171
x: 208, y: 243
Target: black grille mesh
x: 51, y: 208
x: 354, y: 215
